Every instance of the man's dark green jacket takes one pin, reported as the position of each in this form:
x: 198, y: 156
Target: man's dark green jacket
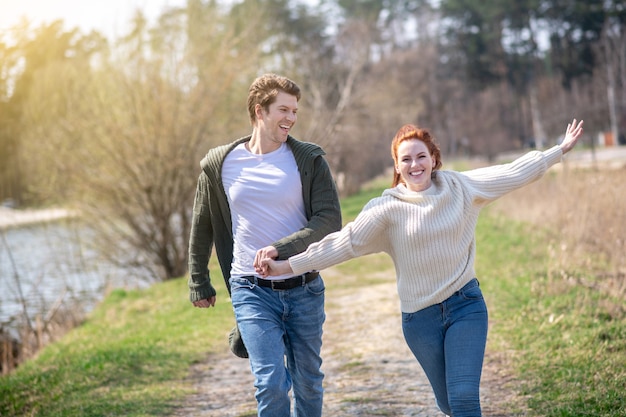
x: 212, y: 225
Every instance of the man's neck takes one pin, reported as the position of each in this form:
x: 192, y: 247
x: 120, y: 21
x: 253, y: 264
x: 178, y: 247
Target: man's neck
x: 260, y: 145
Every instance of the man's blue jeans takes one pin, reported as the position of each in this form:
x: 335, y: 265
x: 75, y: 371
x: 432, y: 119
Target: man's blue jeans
x: 277, y: 327
x: 448, y: 340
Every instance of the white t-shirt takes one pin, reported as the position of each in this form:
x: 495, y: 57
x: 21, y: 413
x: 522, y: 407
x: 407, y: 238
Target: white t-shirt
x: 265, y: 197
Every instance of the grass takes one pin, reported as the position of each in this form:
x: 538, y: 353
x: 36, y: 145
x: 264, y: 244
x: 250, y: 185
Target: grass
x: 129, y: 358
x: 569, y: 340
x: 570, y: 326
x: 564, y: 341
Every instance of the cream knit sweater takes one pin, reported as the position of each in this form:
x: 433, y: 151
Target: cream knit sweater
x: 430, y: 235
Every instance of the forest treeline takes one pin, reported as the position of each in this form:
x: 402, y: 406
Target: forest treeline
x: 116, y: 127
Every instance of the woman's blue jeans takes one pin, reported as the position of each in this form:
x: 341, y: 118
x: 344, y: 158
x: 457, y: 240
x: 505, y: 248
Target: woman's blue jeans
x: 278, y: 327
x: 448, y: 340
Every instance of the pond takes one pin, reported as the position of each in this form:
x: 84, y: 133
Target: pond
x: 49, y: 264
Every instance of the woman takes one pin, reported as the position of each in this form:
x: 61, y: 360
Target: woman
x: 426, y: 223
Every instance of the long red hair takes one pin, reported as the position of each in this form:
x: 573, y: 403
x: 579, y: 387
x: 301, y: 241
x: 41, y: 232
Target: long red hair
x: 408, y: 132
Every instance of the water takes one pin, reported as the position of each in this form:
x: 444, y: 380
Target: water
x: 45, y: 265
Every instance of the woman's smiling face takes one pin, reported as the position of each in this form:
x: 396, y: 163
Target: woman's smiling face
x: 415, y: 164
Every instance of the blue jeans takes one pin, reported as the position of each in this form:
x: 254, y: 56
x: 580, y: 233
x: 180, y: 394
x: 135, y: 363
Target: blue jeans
x: 278, y: 327
x: 448, y: 340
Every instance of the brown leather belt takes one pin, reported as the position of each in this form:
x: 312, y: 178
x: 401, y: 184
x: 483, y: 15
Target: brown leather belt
x: 284, y: 284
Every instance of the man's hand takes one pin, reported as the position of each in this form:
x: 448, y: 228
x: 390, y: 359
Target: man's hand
x: 273, y: 267
x: 260, y: 264
x: 206, y: 303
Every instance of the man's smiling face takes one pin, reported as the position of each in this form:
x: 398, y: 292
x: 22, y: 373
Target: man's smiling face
x: 280, y: 118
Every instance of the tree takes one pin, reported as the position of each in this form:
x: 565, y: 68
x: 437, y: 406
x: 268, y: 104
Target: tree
x: 10, y: 183
x: 136, y: 127
x: 23, y: 58
x: 574, y: 26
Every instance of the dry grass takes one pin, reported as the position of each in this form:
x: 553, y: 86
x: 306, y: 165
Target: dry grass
x: 584, y: 214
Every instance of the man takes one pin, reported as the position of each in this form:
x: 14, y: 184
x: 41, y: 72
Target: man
x: 268, y: 195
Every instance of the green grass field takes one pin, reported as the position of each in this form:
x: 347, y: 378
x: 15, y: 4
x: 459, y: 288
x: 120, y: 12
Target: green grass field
x: 131, y: 356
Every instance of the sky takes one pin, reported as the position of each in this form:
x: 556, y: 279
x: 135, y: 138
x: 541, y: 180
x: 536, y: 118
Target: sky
x: 110, y: 17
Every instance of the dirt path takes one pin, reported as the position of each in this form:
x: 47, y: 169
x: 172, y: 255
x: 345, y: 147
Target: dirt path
x: 369, y: 369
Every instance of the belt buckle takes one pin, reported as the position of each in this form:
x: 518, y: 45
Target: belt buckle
x: 274, y: 281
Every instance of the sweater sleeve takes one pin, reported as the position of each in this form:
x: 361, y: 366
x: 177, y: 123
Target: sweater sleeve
x: 490, y: 183
x: 363, y: 236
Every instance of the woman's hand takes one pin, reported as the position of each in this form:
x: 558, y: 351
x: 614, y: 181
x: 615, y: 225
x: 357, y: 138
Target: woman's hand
x: 269, y: 266
x: 572, y: 134
x: 264, y: 253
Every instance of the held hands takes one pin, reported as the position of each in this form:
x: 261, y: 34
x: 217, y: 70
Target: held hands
x: 272, y: 267
x: 266, y: 265
x: 572, y: 134
x: 261, y: 257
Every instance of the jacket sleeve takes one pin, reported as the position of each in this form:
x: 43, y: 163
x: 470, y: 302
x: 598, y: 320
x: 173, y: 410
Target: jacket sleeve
x: 200, y: 244
x: 325, y: 212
